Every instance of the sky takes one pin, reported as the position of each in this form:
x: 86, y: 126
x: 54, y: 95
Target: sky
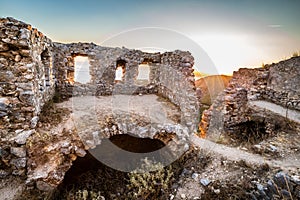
x: 222, y: 35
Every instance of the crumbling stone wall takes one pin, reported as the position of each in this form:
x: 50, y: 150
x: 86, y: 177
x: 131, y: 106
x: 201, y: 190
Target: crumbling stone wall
x: 177, y: 84
x: 283, y: 83
x: 230, y: 106
x: 103, y: 63
x: 272, y: 83
x: 27, y: 80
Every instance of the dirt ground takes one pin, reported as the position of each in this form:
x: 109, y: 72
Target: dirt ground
x: 200, y: 174
x: 11, y: 187
x: 225, y: 178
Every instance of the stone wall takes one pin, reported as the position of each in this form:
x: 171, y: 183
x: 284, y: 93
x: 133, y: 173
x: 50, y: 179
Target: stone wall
x: 26, y: 84
x: 103, y: 63
x: 27, y: 80
x: 283, y: 83
x: 177, y: 84
x: 277, y: 83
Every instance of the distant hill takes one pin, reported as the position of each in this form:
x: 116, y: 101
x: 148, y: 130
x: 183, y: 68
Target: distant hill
x: 211, y: 86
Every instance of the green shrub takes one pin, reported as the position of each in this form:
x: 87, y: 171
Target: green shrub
x: 85, y: 195
x: 151, y: 181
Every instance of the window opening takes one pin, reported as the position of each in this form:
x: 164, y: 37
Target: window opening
x: 82, y: 69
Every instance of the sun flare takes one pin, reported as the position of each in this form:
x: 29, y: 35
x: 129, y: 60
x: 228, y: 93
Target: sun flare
x: 229, y: 51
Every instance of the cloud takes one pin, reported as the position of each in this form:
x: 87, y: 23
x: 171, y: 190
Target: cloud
x: 274, y: 25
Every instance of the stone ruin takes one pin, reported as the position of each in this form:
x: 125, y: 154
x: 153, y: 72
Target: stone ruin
x: 261, y: 100
x: 34, y: 70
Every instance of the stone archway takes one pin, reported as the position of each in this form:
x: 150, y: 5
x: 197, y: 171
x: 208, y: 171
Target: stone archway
x: 124, y: 142
x: 88, y: 173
